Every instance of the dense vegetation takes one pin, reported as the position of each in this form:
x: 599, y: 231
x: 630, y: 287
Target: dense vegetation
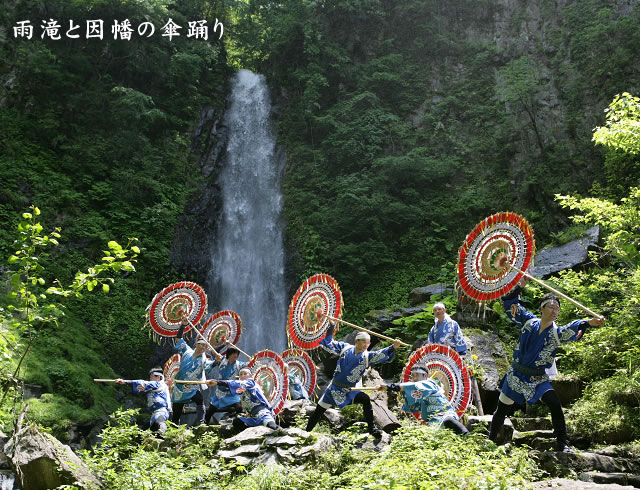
x: 404, y: 124
x: 129, y: 458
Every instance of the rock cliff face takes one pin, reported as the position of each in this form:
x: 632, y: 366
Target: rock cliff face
x: 195, y: 233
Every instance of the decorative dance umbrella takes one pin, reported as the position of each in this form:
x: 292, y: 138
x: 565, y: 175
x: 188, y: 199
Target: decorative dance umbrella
x: 168, y: 308
x: 301, y: 365
x: 447, y: 367
x: 318, y: 297
x: 171, y: 368
x: 270, y: 374
x: 224, y: 325
x: 494, y: 255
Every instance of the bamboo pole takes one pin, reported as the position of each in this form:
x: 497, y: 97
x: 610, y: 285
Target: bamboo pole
x: 555, y: 291
x: 366, y: 330
x: 364, y: 388
x: 100, y: 380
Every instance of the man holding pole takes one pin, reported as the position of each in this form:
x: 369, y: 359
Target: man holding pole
x: 253, y: 401
x: 222, y: 399
x: 158, y: 398
x: 526, y: 379
x: 426, y: 396
x: 192, y: 366
x: 353, y: 361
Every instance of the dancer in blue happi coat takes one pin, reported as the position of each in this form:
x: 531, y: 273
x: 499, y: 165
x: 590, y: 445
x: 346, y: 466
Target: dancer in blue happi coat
x: 158, y: 398
x: 446, y: 330
x: 426, y: 396
x: 222, y: 400
x: 526, y: 380
x: 296, y: 389
x: 193, y: 363
x: 352, y: 363
x: 253, y: 401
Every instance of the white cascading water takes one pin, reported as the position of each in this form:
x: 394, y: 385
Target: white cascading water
x: 248, y: 261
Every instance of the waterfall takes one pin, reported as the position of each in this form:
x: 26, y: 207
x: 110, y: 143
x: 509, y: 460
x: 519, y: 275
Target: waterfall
x: 248, y: 257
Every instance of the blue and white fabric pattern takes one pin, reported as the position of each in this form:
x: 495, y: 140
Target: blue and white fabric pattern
x: 191, y: 369
x: 158, y: 398
x: 448, y: 333
x: 428, y: 398
x: 253, y: 401
x: 349, y: 370
x: 221, y: 397
x: 535, y: 353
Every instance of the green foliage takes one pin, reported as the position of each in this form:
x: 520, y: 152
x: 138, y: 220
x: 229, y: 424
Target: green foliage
x: 419, y: 457
x: 414, y: 326
x: 609, y: 411
x: 622, y: 131
x: 33, y: 304
x: 422, y: 457
x: 620, y: 221
x: 130, y: 458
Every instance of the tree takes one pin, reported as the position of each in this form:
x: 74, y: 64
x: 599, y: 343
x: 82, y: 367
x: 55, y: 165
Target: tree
x: 32, y: 303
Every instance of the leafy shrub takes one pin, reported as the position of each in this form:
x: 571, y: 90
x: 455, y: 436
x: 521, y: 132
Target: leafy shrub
x: 609, y: 411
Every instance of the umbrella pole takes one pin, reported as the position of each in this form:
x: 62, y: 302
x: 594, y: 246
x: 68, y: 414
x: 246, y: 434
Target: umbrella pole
x: 558, y: 293
x: 366, y: 330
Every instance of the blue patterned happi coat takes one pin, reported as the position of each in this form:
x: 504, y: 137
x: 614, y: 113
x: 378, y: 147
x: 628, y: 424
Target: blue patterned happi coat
x: 221, y: 397
x: 526, y: 379
x: 191, y: 369
x: 253, y: 401
x: 427, y: 397
x: 296, y: 390
x: 448, y: 333
x: 158, y: 398
x: 349, y: 371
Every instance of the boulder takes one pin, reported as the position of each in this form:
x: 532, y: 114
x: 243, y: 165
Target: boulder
x: 423, y: 294
x: 568, y: 389
x: 260, y: 445
x: 566, y: 256
x: 291, y: 410
x: 42, y: 462
x: 505, y: 434
x: 563, y: 464
x: 491, y: 364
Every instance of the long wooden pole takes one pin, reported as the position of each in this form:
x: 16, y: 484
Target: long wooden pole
x: 99, y: 380
x: 366, y: 330
x: 364, y: 388
x: 556, y: 292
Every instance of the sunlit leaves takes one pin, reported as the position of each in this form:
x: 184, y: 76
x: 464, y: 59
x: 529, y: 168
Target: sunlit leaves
x: 33, y: 302
x: 622, y: 130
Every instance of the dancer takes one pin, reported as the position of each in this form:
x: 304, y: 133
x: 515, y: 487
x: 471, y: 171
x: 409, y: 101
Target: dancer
x: 526, y: 380
x: 352, y: 363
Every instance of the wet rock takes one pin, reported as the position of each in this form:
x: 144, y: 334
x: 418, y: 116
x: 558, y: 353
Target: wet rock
x: 41, y: 461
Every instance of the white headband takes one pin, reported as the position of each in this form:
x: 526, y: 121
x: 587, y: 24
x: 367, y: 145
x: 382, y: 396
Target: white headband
x: 549, y: 300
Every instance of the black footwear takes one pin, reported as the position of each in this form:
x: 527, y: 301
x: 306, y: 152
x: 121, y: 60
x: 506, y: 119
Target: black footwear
x: 376, y: 433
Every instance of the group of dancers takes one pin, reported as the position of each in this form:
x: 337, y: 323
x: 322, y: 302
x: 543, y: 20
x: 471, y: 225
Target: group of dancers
x: 527, y: 379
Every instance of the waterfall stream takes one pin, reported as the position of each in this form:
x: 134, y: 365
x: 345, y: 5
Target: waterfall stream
x: 248, y: 256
